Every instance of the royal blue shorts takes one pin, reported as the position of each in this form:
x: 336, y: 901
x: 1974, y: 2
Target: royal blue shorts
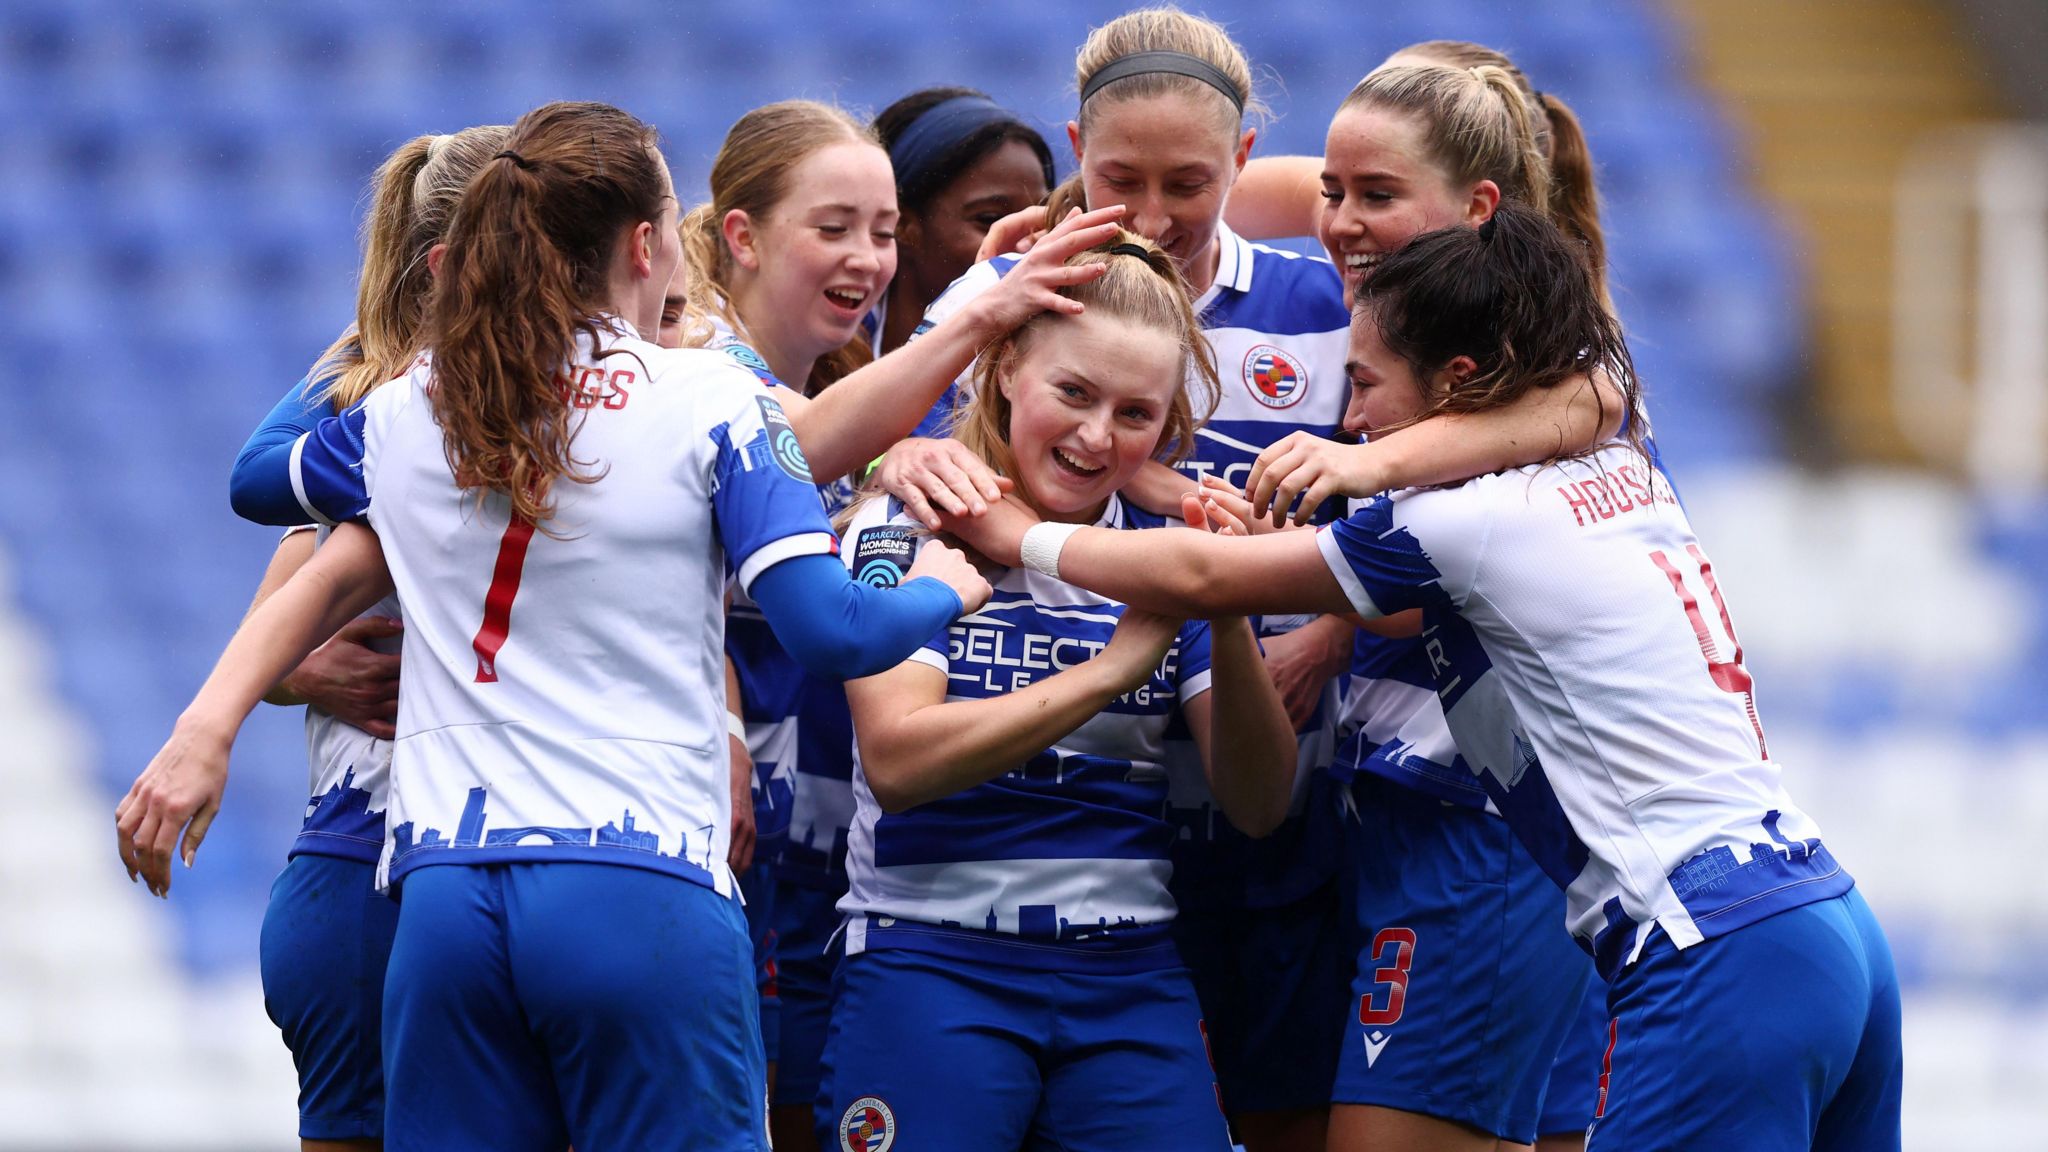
x: 935, y: 1052
x: 1465, y: 979
x: 1574, y: 1089
x: 326, y: 941
x: 807, y: 952
x: 758, y: 888
x: 1780, y: 1036
x: 539, y: 1006
x: 1272, y: 988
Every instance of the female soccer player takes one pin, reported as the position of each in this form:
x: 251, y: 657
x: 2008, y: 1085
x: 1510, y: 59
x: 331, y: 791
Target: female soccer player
x: 556, y: 501
x: 1161, y: 127
x: 1589, y: 671
x: 795, y: 246
x: 962, y: 163
x: 327, y: 930
x: 1009, y: 975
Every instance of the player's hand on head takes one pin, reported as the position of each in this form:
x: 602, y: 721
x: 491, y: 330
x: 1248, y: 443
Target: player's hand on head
x: 351, y: 681
x: 171, y: 805
x: 1032, y: 285
x: 1301, y: 470
x: 950, y: 566
x: 1016, y: 232
x: 998, y: 533
x: 1139, y: 644
x: 934, y: 476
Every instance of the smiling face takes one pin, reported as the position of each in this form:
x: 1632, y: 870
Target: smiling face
x: 813, y: 268
x: 1089, y: 397
x: 940, y: 242
x: 1170, y: 160
x: 1381, y: 189
x: 1385, y: 390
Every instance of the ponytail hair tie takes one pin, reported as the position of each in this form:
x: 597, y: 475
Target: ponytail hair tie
x: 525, y: 165
x: 1129, y: 249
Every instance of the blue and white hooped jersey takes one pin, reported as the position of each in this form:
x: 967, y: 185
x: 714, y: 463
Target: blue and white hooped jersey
x: 564, y: 689
x: 1587, y: 664
x: 1062, y: 863
x: 1391, y: 725
x: 350, y: 776
x: 1280, y: 331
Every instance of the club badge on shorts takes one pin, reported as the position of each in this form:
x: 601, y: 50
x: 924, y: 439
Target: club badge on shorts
x: 1275, y: 378
x: 867, y: 1126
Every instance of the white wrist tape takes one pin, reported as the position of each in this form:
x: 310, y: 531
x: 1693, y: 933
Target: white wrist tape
x: 736, y: 727
x: 1042, y: 544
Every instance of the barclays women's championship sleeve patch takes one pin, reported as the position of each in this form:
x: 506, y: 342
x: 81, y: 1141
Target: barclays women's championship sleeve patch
x: 882, y: 555
x: 782, y: 442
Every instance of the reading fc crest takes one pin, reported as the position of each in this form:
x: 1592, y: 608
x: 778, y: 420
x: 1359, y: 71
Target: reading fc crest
x: 867, y: 1126
x: 1276, y: 378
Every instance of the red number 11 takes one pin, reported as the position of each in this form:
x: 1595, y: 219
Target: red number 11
x: 1729, y: 675
x: 497, y: 623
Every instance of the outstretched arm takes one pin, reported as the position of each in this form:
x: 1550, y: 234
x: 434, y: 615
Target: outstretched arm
x: 856, y: 420
x: 184, y: 782
x: 1276, y: 197
x: 839, y: 628
x: 1542, y: 423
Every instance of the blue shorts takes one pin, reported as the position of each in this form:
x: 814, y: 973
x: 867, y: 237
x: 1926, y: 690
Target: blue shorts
x: 535, y: 1006
x: 807, y: 952
x: 1272, y: 988
x: 1781, y: 1035
x: 326, y: 941
x: 757, y: 887
x: 1465, y: 980
x: 935, y: 1052
x: 1574, y: 1091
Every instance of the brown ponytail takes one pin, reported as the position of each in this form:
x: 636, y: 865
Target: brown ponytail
x: 524, y: 277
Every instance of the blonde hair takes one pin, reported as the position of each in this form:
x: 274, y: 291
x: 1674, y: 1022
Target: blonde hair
x: 1574, y: 198
x: 1476, y: 124
x: 752, y: 174
x: 1144, y: 290
x: 1164, y: 29
x: 415, y: 193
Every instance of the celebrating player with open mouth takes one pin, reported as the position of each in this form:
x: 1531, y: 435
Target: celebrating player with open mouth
x: 1623, y: 745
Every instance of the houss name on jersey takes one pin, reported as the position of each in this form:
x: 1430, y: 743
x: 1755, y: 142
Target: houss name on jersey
x: 1029, y: 655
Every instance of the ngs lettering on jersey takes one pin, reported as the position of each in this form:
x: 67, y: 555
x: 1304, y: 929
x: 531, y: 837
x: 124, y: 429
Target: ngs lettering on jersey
x: 595, y: 387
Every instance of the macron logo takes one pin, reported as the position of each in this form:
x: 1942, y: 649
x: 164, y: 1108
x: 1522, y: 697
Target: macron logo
x: 1375, y: 1043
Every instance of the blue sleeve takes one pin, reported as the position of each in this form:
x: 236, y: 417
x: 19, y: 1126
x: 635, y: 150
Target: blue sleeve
x: 1194, y: 652
x: 260, y: 487
x: 1381, y: 566
x: 762, y: 498
x: 842, y: 629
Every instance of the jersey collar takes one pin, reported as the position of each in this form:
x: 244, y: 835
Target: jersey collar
x: 1233, y: 266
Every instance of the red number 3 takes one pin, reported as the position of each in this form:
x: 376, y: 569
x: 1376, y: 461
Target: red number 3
x: 497, y: 623
x: 1400, y: 942
x: 1729, y: 675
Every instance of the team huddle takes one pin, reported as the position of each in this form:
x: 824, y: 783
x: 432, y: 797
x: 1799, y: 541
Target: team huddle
x: 904, y: 655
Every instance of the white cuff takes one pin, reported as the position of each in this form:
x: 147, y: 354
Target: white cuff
x: 1041, y: 546
x: 736, y: 727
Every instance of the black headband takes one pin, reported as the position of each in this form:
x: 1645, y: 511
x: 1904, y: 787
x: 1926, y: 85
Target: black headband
x: 1174, y: 63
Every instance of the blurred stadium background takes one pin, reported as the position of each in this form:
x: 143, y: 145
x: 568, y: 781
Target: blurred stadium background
x: 1829, y: 229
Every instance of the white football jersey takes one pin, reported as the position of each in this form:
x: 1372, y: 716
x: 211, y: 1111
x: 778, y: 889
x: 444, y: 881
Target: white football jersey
x: 1588, y: 667
x: 564, y: 688
x: 350, y: 774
